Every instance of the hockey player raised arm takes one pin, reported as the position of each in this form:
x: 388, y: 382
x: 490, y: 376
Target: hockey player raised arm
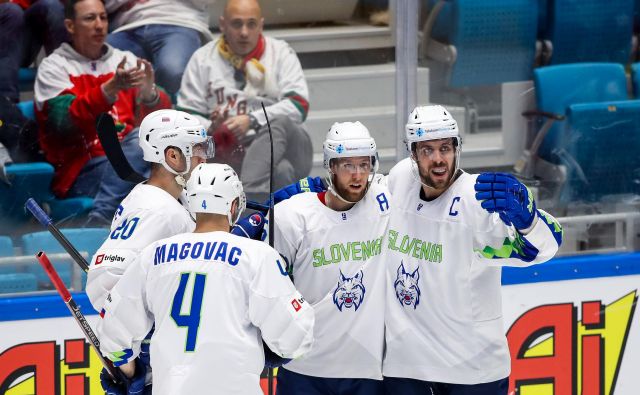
x: 516, y: 233
x: 284, y: 317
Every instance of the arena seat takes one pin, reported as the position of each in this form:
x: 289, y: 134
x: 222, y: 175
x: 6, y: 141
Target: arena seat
x: 18, y: 282
x: 481, y: 42
x: 588, y: 30
x: 27, y: 78
x: 28, y: 109
x: 602, y: 141
x: 6, y: 250
x: 635, y: 79
x: 558, y: 87
x: 595, y: 133
x: 84, y: 240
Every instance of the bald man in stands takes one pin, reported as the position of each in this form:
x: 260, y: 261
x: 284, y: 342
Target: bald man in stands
x: 224, y: 85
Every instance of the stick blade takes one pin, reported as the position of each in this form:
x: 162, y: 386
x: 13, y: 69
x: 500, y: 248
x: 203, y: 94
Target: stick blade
x: 108, y: 137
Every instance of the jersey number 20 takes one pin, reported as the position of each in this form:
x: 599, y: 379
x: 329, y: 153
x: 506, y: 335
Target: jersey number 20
x: 191, y: 320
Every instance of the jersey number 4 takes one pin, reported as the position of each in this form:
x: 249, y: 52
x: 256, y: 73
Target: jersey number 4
x: 192, y: 320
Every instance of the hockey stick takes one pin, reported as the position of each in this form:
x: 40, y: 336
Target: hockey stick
x: 108, y: 137
x: 77, y: 314
x: 46, y: 221
x: 271, y: 228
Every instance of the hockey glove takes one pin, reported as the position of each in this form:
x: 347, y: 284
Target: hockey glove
x: 503, y: 194
x: 251, y: 227
x: 132, y: 386
x: 306, y: 184
x: 271, y: 359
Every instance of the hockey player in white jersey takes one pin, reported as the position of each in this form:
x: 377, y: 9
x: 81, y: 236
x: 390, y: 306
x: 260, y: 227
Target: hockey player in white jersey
x: 212, y: 296
x: 448, y: 235
x: 333, y: 242
x: 174, y: 142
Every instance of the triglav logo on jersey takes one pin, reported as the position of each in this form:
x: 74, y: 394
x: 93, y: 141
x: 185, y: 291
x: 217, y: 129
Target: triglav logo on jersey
x: 349, y: 292
x: 406, y: 286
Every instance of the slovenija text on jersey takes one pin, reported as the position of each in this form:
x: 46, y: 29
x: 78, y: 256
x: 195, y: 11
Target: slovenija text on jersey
x: 414, y: 247
x: 350, y: 251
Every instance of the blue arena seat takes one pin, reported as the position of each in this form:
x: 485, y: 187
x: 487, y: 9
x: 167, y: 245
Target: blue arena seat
x: 558, y: 87
x: 602, y: 142
x: 85, y: 239
x: 635, y: 79
x: 484, y: 42
x: 27, y: 78
x: 28, y: 109
x: 28, y: 180
x: 597, y: 136
x: 589, y: 30
x: 18, y: 282
x: 6, y: 250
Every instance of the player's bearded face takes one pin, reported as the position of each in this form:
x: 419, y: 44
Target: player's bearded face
x: 351, y: 176
x: 436, y: 161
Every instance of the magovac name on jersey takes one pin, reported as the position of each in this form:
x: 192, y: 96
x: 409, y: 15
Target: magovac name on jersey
x: 208, y: 251
x: 350, y: 251
x: 416, y: 248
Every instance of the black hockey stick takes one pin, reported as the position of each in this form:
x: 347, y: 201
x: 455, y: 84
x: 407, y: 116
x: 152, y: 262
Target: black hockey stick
x: 108, y: 137
x: 271, y: 228
x: 77, y: 315
x: 46, y: 221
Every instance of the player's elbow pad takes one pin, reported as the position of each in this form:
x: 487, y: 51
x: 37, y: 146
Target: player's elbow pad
x: 286, y: 323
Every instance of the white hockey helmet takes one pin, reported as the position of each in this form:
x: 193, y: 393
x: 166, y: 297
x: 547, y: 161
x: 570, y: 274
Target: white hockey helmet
x: 349, y: 139
x: 212, y: 188
x: 430, y: 123
x: 172, y: 128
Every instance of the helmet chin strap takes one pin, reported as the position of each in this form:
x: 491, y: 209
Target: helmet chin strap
x: 179, y: 175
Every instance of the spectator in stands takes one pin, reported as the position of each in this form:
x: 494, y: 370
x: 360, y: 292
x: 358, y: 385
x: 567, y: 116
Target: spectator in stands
x: 73, y: 86
x: 25, y: 26
x: 167, y: 32
x: 225, y: 83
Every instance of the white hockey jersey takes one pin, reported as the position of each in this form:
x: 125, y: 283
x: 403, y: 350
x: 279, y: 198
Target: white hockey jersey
x: 146, y: 215
x: 212, y: 297
x: 336, y: 263
x: 444, y: 308
x: 208, y: 86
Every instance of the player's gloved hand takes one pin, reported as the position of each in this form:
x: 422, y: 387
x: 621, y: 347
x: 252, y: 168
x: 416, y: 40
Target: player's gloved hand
x: 132, y: 386
x: 251, y: 227
x: 271, y: 359
x: 503, y: 194
x: 307, y: 184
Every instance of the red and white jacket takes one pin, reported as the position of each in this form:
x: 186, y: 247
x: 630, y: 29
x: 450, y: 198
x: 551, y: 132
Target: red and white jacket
x: 69, y: 98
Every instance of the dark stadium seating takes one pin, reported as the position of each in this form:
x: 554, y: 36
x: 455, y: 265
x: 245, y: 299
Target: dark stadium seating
x: 588, y: 30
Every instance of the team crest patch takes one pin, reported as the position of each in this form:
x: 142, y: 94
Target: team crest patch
x: 349, y: 292
x: 255, y: 220
x: 407, y: 288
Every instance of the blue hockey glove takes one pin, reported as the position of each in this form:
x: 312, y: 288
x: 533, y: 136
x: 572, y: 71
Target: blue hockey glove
x: 503, y: 194
x: 307, y: 184
x: 132, y: 386
x: 271, y: 359
x: 251, y: 227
